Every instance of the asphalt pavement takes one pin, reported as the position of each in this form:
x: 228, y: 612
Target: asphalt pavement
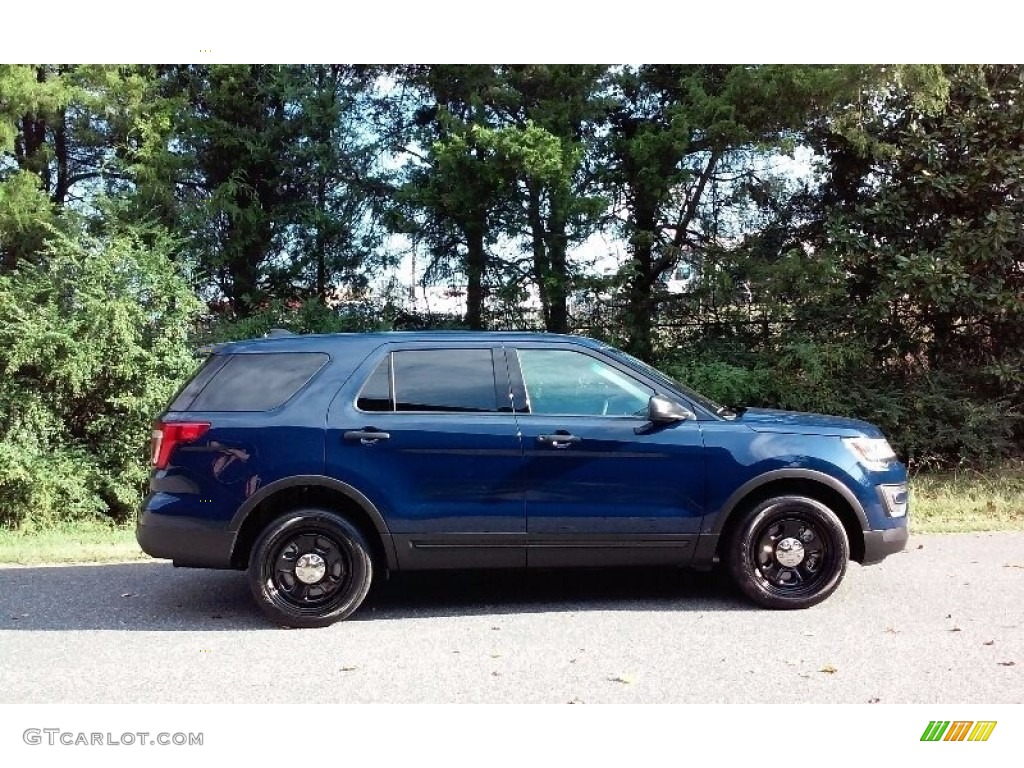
x: 941, y: 622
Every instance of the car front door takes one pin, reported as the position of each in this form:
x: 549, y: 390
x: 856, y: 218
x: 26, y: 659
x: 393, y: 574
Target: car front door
x: 427, y: 433
x: 604, y: 485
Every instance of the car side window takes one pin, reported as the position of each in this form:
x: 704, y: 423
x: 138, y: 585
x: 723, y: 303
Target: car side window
x: 569, y: 383
x: 254, y: 381
x: 446, y: 380
x: 376, y: 392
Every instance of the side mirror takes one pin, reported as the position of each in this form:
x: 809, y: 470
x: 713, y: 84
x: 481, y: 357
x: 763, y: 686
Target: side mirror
x: 661, y: 410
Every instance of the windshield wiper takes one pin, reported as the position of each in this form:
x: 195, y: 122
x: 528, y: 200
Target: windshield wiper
x: 731, y: 411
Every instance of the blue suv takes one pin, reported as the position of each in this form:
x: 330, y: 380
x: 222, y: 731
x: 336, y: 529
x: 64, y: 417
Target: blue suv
x: 319, y: 462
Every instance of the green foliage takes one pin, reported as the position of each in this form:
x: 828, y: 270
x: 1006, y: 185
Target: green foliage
x: 927, y: 419
x: 310, y: 316
x: 93, y: 342
x: 26, y: 215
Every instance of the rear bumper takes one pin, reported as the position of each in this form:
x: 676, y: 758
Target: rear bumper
x: 881, y: 543
x: 189, y: 542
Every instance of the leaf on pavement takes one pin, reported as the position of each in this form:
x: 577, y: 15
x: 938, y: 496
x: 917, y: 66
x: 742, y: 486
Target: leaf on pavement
x: 828, y: 669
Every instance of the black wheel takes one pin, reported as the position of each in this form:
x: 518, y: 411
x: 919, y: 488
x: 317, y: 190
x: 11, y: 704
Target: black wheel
x: 789, y: 552
x: 310, y: 568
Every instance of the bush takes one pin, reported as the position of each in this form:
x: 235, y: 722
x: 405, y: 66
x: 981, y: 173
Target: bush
x: 93, y: 342
x: 933, y: 418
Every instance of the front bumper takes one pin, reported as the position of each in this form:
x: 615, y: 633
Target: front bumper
x: 188, y: 542
x: 880, y: 544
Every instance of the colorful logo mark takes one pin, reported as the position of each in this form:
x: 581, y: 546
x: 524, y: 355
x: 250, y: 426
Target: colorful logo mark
x: 958, y: 730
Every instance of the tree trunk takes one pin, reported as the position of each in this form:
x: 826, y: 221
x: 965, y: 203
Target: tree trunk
x: 476, y: 262
x: 541, y: 266
x: 321, y: 244
x: 33, y: 131
x: 640, y: 303
x: 558, y: 245
x: 60, y: 150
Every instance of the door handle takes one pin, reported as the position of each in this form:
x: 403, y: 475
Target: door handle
x: 366, y: 436
x: 558, y: 440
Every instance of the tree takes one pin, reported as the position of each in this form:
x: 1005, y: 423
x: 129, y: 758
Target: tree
x: 672, y: 131
x: 557, y: 112
x: 453, y: 183
x: 67, y: 134
x: 923, y: 220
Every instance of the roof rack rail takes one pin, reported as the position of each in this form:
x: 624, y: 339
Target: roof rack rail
x: 275, y: 332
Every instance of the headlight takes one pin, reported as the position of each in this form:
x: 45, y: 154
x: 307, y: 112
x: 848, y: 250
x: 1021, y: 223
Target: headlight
x: 871, y: 452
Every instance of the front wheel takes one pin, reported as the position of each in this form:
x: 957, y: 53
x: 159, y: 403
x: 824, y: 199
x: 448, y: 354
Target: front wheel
x: 310, y: 568
x: 789, y: 552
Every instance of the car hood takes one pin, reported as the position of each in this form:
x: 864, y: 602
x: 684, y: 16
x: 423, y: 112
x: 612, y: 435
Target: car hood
x: 795, y: 422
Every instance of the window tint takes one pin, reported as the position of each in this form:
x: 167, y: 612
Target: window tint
x: 444, y: 380
x: 258, y: 382
x: 564, y: 382
x: 187, y: 394
x: 376, y: 392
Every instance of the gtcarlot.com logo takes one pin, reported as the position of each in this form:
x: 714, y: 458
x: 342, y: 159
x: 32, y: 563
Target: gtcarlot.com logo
x: 958, y: 730
x: 57, y: 737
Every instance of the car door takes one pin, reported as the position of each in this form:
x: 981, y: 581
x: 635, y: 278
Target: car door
x: 427, y: 433
x: 604, y: 486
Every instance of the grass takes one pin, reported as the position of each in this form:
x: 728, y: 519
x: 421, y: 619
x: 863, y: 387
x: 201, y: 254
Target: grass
x: 959, y: 501
x: 82, y: 542
x: 941, y: 502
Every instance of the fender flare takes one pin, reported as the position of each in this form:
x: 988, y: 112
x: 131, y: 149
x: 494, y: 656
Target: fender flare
x: 321, y: 481
x: 789, y: 473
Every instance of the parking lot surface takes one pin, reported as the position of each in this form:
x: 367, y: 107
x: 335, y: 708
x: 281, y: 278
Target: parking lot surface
x: 941, y: 622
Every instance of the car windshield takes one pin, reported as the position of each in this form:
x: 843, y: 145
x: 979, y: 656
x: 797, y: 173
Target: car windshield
x: 654, y: 373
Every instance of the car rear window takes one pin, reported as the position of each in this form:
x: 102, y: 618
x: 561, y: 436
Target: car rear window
x: 460, y: 380
x: 199, y: 380
x: 248, y: 382
x: 446, y: 380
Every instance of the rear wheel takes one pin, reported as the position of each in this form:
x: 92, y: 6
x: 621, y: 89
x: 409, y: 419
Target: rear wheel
x: 310, y: 568
x: 789, y: 552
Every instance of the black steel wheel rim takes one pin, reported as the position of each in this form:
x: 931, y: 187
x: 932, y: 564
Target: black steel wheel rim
x: 774, y: 555
x: 282, y: 569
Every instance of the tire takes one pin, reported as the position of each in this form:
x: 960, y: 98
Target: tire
x: 788, y: 552
x: 292, y: 551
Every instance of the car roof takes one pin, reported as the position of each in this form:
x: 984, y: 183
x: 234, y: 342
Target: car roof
x: 287, y: 342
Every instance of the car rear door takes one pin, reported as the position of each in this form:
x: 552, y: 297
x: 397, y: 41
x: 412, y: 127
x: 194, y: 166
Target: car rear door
x: 426, y: 431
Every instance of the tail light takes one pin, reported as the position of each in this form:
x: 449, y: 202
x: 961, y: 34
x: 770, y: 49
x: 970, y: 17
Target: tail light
x: 167, y: 436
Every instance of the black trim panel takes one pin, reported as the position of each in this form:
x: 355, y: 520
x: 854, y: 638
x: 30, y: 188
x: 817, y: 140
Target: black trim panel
x: 518, y: 550
x: 418, y: 552
x: 706, y: 550
x: 787, y: 474
x: 190, y: 543
x: 673, y: 549
x: 880, y: 544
